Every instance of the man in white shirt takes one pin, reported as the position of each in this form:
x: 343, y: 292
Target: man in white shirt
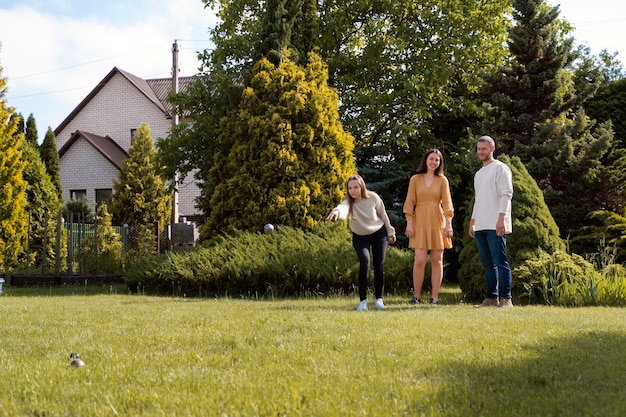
x: 491, y: 222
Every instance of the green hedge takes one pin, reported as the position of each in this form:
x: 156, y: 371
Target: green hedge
x: 288, y: 262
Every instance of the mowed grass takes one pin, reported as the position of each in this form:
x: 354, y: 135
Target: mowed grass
x: 159, y: 356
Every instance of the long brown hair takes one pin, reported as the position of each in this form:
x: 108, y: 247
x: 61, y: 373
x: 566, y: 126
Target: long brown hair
x: 364, y: 191
x: 422, y: 168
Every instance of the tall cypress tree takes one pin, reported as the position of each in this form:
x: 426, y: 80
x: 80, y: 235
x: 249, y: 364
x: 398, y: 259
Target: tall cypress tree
x: 31, y: 134
x: 43, y: 204
x: 50, y: 158
x: 13, y: 218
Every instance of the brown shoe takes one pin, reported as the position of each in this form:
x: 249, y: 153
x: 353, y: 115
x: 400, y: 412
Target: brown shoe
x: 506, y: 303
x: 488, y: 302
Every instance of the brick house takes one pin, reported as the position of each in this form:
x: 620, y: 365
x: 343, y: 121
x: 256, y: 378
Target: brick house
x: 94, y: 138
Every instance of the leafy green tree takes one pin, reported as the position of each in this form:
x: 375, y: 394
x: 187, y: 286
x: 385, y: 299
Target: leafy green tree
x: 13, y: 218
x: 50, y: 158
x: 42, y: 207
x: 537, y: 115
x: 140, y: 195
x: 289, y: 157
x: 31, y: 134
x: 534, y: 232
x: 399, y: 68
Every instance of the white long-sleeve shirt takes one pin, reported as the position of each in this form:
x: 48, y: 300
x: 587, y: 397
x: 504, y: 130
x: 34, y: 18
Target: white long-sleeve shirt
x: 368, y: 215
x: 493, y: 185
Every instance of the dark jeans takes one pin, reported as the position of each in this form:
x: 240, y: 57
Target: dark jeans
x: 492, y: 251
x: 378, y: 242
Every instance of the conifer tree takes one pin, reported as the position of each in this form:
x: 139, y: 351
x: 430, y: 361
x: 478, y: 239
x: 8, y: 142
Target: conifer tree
x: 537, y: 116
x: 50, y: 158
x: 13, y: 218
x: 42, y: 207
x: 290, y: 155
x: 140, y: 195
x: 534, y: 232
x: 20, y: 123
x: 31, y: 134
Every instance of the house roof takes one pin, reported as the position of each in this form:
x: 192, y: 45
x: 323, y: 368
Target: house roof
x: 103, y: 144
x: 156, y: 90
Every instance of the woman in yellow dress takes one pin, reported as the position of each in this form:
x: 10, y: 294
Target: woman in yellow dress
x: 428, y: 211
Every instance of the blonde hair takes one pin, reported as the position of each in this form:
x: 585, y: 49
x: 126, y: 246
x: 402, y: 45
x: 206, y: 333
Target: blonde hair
x: 364, y: 191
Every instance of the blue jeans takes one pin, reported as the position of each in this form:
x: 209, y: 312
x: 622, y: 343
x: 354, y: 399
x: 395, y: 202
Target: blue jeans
x: 378, y: 242
x: 492, y: 251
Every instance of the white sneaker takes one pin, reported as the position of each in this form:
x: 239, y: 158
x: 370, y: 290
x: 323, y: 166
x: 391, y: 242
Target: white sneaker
x: 362, y: 306
x: 379, y: 304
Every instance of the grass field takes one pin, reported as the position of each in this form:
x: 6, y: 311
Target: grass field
x: 155, y: 356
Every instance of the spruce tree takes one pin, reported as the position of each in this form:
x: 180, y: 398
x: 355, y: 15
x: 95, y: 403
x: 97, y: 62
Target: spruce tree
x: 290, y: 155
x: 537, y: 116
x: 534, y: 232
x: 140, y: 195
x: 50, y: 158
x: 13, y: 218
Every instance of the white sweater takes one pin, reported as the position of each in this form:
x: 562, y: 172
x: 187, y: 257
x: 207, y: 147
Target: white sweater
x: 494, y: 189
x: 368, y: 215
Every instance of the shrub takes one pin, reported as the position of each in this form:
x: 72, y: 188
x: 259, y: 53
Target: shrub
x: 287, y: 262
x: 534, y: 232
x: 101, y: 252
x: 569, y: 280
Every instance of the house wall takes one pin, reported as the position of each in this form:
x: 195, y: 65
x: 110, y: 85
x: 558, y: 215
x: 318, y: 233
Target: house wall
x: 117, y: 108
x: 82, y: 168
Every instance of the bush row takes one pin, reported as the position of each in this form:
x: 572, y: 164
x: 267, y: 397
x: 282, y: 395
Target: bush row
x: 288, y: 262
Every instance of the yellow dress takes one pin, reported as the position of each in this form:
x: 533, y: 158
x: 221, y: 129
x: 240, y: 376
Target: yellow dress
x: 429, y: 207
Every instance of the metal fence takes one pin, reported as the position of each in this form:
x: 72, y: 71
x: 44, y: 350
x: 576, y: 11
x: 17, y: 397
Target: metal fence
x: 74, y: 246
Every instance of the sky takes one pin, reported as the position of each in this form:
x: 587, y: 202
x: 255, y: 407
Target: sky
x: 54, y: 52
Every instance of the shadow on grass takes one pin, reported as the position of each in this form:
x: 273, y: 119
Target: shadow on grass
x: 584, y: 375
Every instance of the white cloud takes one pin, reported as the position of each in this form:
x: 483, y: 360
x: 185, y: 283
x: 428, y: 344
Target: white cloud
x: 52, y: 62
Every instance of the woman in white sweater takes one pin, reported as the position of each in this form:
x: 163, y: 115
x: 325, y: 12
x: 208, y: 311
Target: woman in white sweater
x: 370, y: 228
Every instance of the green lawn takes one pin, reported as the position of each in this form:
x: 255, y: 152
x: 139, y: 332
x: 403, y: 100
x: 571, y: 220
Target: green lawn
x: 155, y: 356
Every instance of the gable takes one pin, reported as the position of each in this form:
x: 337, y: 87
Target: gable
x: 106, y: 146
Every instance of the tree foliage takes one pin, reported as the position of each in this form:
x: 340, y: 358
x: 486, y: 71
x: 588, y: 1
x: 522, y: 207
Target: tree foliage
x: 140, y: 194
x: 31, y: 133
x: 50, y: 158
x: 610, y: 104
x: 102, y: 251
x: 537, y: 115
x: 13, y: 220
x: 288, y: 157
x: 42, y: 206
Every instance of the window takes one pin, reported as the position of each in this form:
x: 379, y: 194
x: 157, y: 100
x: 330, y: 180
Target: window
x: 133, y: 133
x: 104, y: 195
x: 78, y: 194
